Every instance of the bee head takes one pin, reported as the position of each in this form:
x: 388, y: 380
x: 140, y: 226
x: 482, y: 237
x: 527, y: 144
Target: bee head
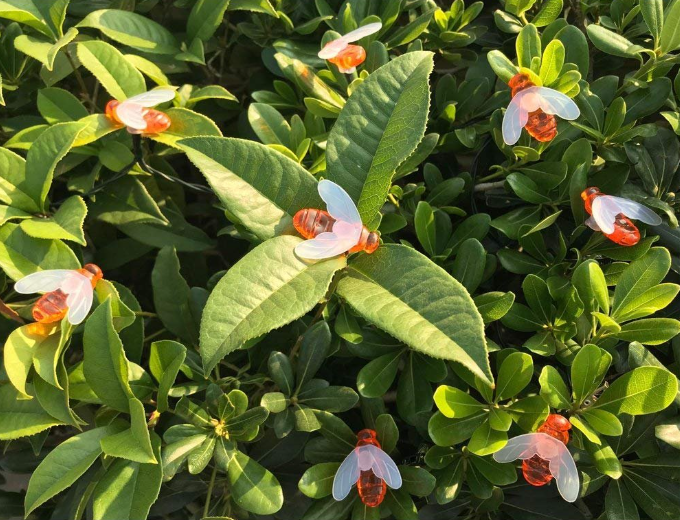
x: 557, y: 422
x: 367, y: 435
x: 589, y: 192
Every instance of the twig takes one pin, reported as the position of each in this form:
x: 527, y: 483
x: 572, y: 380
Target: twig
x: 79, y: 78
x: 486, y: 186
x: 10, y: 313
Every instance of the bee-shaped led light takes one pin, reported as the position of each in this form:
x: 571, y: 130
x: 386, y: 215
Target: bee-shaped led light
x: 136, y: 113
x: 348, y: 57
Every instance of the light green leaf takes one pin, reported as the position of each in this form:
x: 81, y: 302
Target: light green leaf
x: 21, y: 417
x: 269, y: 125
x: 641, y: 391
x: 652, y: 331
x: 650, y: 301
x: 117, y: 75
x: 260, y: 187
x: 133, y: 30
x: 640, y: 275
x: 253, y: 487
x: 95, y: 127
x: 454, y: 403
x: 652, y: 12
x: 257, y: 6
x: 553, y: 388
x: 610, y: 42
x: 165, y: 359
x: 204, y: 19
x: 279, y: 288
x: 552, y: 62
x: 13, y: 189
x: 501, y: 65
x: 528, y: 46
x: 438, y: 318
x: 669, y: 40
x: 375, y: 379
x: 66, y: 223
x: 65, y: 464
x: 134, y: 443
x: 45, y: 16
x: 587, y: 371
x: 394, y: 103
x: 128, y: 489
x: 18, y: 356
x: 514, y: 375
x: 59, y: 106
x: 603, y: 422
x: 591, y: 285
x: 186, y: 123
x: 105, y: 366
x: 21, y: 255
x: 317, y: 481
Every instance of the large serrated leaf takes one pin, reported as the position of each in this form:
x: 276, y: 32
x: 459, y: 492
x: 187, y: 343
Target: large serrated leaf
x: 379, y: 127
x: 266, y: 289
x: 416, y: 301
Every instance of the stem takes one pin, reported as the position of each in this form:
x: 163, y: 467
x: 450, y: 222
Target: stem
x: 146, y: 314
x: 316, y: 318
x: 499, y: 173
x: 80, y: 79
x: 486, y: 186
x: 155, y: 334
x: 206, y: 509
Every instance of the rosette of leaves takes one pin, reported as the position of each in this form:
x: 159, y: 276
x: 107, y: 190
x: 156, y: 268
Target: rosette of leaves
x: 299, y: 394
x: 515, y: 14
x: 455, y: 32
x: 317, y: 481
x: 213, y: 436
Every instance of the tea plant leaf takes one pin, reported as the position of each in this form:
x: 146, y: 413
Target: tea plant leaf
x: 438, y: 318
x: 165, y: 359
x: 18, y: 356
x: 394, y: 103
x: 134, y: 443
x: 669, y: 40
x: 641, y: 391
x: 21, y: 417
x: 120, y: 79
x: 65, y: 464
x: 260, y: 187
x: 205, y: 18
x: 45, y: 16
x: 266, y: 289
x: 66, y: 223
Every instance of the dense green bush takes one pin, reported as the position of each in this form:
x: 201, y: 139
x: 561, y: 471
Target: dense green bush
x: 219, y: 375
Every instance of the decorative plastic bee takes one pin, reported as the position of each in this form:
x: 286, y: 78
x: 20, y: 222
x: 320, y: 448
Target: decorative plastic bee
x: 67, y: 293
x: 135, y: 112
x: 612, y: 215
x: 348, y: 57
x: 333, y: 232
x: 370, y: 468
x: 534, y: 108
x: 545, y: 456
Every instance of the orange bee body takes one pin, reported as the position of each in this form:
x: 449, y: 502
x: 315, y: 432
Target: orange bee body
x: 350, y: 57
x: 311, y: 222
x: 51, y: 307
x: 540, y: 126
x: 371, y: 488
x: 156, y: 121
x: 625, y: 232
x: 536, y: 470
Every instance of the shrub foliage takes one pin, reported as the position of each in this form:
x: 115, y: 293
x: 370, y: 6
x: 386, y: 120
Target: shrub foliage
x: 218, y: 375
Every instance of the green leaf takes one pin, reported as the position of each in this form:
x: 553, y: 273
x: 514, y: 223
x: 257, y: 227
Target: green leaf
x: 610, y: 42
x: 501, y: 65
x: 127, y: 201
x: 394, y: 101
x: 45, y: 16
x: 134, y: 443
x: 280, y: 289
x: 619, y: 503
x: 514, y: 375
x: 494, y: 305
x: 604, y: 458
x: 552, y: 62
x: 603, y: 422
x: 417, y: 481
x: 550, y: 10
x: 424, y: 222
x: 13, y: 189
x: 165, y: 359
x: 528, y: 46
x: 117, y: 75
x: 375, y: 379
x: 316, y: 343
x: 128, y: 489
x: 186, y: 123
x: 485, y: 440
x: 590, y: 283
x: 640, y: 275
x: 18, y: 356
x: 652, y: 12
x: 21, y: 254
x: 669, y: 40
x: 655, y: 494
x: 133, y: 30
x: 269, y: 125
x: 262, y: 188
x: 275, y: 402
x: 21, y: 417
x: 588, y: 370
x: 641, y: 391
x: 652, y: 331
x: 60, y: 106
x: 65, y: 464
x: 65, y: 224
x: 105, y: 365
x: 468, y: 267
x: 387, y: 432
x: 454, y: 403
x: 47, y: 150
x: 204, y: 19
x: 317, y: 481
x: 529, y: 412
x: 172, y: 297
x: 281, y: 372
x: 439, y: 319
x: 449, y: 432
x: 553, y: 388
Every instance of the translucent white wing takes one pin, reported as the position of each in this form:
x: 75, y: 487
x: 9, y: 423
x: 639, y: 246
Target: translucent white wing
x: 382, y: 465
x: 326, y: 245
x: 338, y: 203
x: 362, y: 32
x: 333, y: 48
x: 636, y: 210
x: 153, y: 97
x: 42, y: 281
x: 131, y: 115
x: 516, y: 116
x: 561, y: 463
x: 590, y: 222
x: 80, y: 294
x: 605, y: 209
x: 554, y: 102
x: 347, y: 475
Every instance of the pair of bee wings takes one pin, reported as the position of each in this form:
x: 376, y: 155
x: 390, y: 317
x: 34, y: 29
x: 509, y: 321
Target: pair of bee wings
x: 76, y: 286
x: 332, y: 49
x: 131, y: 111
x: 361, y: 459
x: 561, y: 463
x: 529, y: 100
x: 606, y: 207
x: 346, y: 229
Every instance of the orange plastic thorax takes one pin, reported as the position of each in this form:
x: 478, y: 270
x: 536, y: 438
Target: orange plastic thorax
x: 625, y: 232
x: 536, y: 470
x: 311, y: 222
x: 156, y: 121
x: 540, y: 126
x: 371, y: 488
x: 350, y: 57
